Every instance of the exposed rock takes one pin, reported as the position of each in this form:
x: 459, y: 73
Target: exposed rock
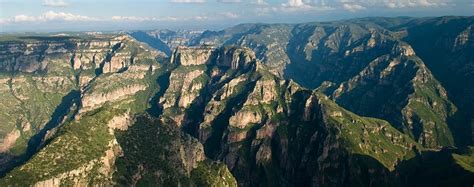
x: 183, y: 84
x: 404, y: 50
x: 118, y: 62
x: 242, y: 119
x: 192, y: 56
x: 265, y: 93
x: 120, y: 122
x: 9, y: 140
x: 93, y: 100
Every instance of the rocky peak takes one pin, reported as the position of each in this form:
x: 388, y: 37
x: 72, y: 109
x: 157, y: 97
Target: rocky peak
x: 233, y: 57
x: 464, y: 39
x: 236, y: 57
x: 198, y: 71
x: 403, y: 49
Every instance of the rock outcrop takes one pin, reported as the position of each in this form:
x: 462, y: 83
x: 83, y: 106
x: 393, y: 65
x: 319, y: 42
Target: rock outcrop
x: 253, y: 121
x: 40, y: 76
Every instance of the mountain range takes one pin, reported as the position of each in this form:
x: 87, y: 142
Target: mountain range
x: 360, y: 102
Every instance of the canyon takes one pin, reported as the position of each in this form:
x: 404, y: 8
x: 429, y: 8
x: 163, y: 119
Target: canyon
x: 362, y: 102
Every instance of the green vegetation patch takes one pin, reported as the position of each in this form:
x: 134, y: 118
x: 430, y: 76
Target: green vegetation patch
x: 466, y: 159
x: 75, y: 145
x: 370, y: 136
x: 209, y: 173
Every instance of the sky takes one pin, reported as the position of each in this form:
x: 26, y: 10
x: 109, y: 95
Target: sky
x: 113, y: 15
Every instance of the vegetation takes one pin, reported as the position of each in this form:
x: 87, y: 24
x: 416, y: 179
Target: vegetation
x: 369, y: 136
x: 210, y: 173
x: 465, y: 159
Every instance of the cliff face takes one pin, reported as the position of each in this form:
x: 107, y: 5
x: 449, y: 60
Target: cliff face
x: 36, y: 74
x: 105, y: 131
x: 271, y: 131
x: 67, y: 77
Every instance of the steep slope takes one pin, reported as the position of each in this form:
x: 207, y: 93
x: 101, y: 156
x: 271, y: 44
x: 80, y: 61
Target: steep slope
x: 400, y: 88
x: 445, y: 45
x: 340, y: 55
x: 289, y: 135
x: 270, y: 131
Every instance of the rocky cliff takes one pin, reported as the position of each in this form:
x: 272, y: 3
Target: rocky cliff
x: 356, y: 56
x: 40, y: 73
x: 106, y: 132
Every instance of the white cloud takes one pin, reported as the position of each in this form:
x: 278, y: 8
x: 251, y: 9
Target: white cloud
x: 295, y: 3
x: 24, y: 18
x: 229, y: 1
x: 132, y: 18
x: 298, y: 6
x: 259, y: 2
x: 51, y: 15
x: 48, y: 16
x: 141, y: 19
x: 188, y: 1
x: 262, y: 11
x: 200, y: 18
x: 301, y: 5
x: 55, y: 3
x: 229, y: 15
x: 414, y: 3
x: 353, y: 7
x: 163, y: 19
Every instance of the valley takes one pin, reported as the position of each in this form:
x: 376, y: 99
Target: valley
x: 360, y: 102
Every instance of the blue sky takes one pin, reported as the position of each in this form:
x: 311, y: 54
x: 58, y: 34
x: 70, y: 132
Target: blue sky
x: 75, y: 15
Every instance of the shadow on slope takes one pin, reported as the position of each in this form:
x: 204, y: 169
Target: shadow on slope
x: 67, y: 109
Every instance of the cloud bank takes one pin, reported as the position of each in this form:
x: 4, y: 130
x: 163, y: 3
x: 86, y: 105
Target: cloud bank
x: 54, y: 3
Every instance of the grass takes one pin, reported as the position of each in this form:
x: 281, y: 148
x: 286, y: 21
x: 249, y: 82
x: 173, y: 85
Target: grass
x: 209, y: 173
x: 465, y: 159
x: 423, y: 107
x: 369, y: 136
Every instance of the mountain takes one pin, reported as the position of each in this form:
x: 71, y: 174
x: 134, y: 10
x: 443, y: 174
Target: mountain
x: 366, y: 61
x: 346, y: 103
x: 43, y: 78
x: 166, y: 40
